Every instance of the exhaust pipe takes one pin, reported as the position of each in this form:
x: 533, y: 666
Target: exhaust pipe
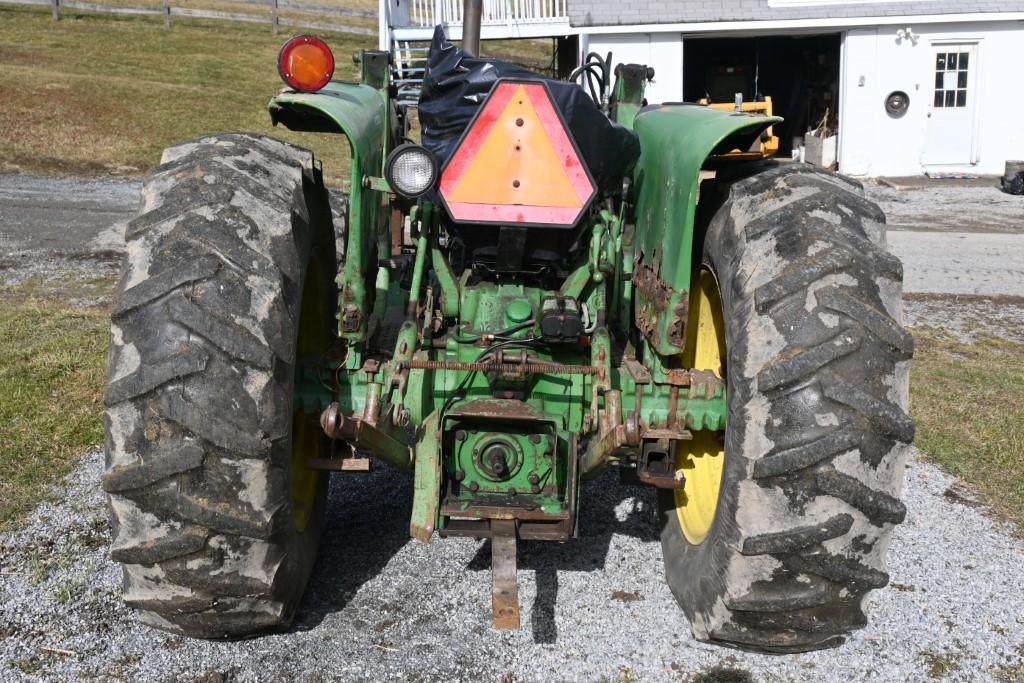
x: 472, y: 10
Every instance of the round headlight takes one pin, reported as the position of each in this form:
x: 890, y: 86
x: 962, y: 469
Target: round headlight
x: 411, y: 170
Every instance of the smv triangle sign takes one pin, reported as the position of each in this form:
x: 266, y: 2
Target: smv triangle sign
x: 516, y: 163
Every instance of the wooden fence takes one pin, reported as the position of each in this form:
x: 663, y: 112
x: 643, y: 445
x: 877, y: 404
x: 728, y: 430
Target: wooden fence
x: 273, y: 18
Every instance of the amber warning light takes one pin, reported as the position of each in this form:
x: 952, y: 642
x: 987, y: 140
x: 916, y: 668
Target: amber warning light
x: 516, y: 163
x: 306, y: 63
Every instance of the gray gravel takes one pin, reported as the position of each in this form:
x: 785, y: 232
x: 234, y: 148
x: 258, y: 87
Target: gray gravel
x: 968, y: 320
x: 382, y: 607
x: 920, y: 204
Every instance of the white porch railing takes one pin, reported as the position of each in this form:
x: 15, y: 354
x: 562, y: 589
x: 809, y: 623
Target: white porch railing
x: 427, y: 13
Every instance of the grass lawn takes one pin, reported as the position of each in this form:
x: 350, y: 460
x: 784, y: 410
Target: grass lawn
x: 101, y: 94
x: 51, y: 385
x: 968, y: 401
x: 98, y: 94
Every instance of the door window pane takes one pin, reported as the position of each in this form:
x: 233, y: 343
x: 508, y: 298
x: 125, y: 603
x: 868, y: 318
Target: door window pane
x: 951, y: 69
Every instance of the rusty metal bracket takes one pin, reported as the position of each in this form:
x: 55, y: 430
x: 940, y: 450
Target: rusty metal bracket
x: 504, y: 584
x: 366, y: 436
x: 656, y: 465
x: 351, y: 464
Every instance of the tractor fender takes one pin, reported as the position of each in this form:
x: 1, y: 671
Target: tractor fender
x: 361, y: 113
x: 675, y: 142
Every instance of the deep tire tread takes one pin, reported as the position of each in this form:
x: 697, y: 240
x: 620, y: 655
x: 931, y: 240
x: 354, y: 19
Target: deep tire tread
x: 199, y: 498
x: 800, y: 257
x: 798, y: 538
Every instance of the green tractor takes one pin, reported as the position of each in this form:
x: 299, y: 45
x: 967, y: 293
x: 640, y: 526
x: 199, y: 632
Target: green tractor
x: 549, y: 286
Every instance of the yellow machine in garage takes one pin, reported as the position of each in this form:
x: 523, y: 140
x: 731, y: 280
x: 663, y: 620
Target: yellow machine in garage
x: 765, y: 146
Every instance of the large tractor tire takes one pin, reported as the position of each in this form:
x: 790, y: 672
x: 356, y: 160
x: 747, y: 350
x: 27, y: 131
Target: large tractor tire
x: 227, y: 287
x: 783, y: 525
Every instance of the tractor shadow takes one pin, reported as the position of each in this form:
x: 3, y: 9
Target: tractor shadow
x: 598, y: 522
x: 364, y: 529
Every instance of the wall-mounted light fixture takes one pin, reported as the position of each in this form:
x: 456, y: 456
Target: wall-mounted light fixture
x: 906, y: 34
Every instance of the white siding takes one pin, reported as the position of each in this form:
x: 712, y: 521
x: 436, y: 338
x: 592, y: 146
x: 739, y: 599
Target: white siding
x: 871, y: 143
x: 663, y: 51
x: 874, y: 144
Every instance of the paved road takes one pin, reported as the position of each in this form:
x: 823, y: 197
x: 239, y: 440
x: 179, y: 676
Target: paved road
x: 68, y: 215
x: 969, y: 243
x: 960, y: 262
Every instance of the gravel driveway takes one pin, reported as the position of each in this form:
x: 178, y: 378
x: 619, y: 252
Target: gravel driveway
x: 382, y: 607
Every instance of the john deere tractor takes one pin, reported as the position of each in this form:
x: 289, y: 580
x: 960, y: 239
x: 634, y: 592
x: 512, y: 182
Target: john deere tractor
x: 549, y: 285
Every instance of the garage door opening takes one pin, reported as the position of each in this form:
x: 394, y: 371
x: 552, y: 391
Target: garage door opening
x: 799, y: 73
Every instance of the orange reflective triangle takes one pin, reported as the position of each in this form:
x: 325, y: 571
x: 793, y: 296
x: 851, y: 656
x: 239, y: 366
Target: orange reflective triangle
x: 516, y: 164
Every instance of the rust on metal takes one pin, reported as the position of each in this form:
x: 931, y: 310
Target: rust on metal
x: 504, y: 584
x: 366, y: 436
x: 530, y: 368
x: 677, y: 377
x: 498, y: 408
x: 528, y: 531
x: 677, y: 326
x: 661, y: 481
x: 676, y: 434
x: 397, y: 230
x: 637, y: 371
x: 371, y: 367
x: 704, y: 384
x: 330, y: 420
x: 600, y: 449
x: 502, y: 512
x: 673, y: 404
x: 371, y: 407
x: 654, y: 298
x: 351, y: 318
x: 653, y: 304
x: 350, y: 464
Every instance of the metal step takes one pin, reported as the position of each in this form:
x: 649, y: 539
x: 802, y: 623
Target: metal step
x: 408, y: 66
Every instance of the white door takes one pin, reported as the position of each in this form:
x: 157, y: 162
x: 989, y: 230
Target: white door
x: 950, y: 138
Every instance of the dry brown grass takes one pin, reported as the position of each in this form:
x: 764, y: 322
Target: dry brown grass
x: 968, y: 402
x: 100, y: 94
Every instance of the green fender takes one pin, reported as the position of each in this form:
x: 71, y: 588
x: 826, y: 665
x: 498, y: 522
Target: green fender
x: 675, y: 143
x: 361, y: 113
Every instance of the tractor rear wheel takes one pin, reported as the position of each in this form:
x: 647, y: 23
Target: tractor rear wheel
x: 784, y: 523
x: 226, y: 289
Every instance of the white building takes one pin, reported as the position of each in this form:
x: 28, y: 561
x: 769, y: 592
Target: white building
x: 956, y: 64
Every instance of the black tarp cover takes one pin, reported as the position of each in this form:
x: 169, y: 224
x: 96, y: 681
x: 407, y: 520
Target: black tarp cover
x: 456, y: 84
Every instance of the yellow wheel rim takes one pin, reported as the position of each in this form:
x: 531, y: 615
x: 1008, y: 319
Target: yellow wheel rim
x: 701, y: 459
x: 313, y: 339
